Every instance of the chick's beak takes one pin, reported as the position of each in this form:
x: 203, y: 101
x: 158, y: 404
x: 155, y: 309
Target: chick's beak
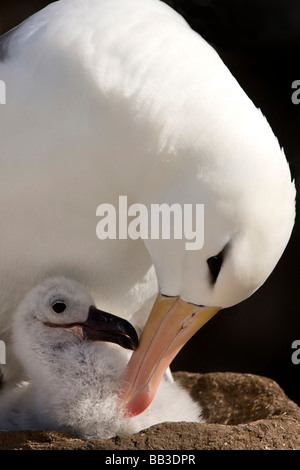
x: 103, y: 326
x: 172, y: 322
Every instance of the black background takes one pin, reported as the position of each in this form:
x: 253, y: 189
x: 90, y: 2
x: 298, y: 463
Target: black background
x: 259, y: 40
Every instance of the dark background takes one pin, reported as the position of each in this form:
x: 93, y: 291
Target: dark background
x: 259, y: 40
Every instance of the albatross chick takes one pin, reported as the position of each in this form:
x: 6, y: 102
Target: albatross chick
x: 75, y: 356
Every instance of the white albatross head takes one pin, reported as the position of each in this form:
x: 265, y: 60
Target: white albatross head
x: 249, y: 213
x: 60, y: 312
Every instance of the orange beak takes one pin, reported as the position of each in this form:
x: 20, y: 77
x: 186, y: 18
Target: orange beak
x: 172, y: 322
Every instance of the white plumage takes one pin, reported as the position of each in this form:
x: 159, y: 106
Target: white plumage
x: 112, y: 97
x: 73, y: 383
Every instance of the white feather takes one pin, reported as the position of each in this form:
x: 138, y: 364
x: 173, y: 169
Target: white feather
x: 112, y: 97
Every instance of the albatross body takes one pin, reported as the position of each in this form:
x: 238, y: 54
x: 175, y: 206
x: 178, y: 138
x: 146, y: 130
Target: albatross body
x: 107, y: 98
x: 74, y: 356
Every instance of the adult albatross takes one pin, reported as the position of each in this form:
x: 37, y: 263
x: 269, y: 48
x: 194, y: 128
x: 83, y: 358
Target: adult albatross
x: 108, y: 98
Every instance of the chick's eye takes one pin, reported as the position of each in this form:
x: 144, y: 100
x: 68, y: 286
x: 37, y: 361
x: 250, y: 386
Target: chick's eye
x: 59, y: 306
x: 214, y: 264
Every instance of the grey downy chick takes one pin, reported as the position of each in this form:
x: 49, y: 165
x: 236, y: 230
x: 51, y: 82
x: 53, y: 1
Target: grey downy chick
x: 75, y: 357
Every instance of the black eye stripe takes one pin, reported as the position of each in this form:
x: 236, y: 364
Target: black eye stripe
x: 215, y: 264
x: 59, y: 306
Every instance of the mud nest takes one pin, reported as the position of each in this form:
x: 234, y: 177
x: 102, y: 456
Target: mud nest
x: 242, y: 412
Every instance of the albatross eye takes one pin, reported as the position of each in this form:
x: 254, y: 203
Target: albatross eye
x: 214, y: 264
x: 59, y: 306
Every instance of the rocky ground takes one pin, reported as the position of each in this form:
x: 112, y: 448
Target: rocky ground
x: 242, y: 411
